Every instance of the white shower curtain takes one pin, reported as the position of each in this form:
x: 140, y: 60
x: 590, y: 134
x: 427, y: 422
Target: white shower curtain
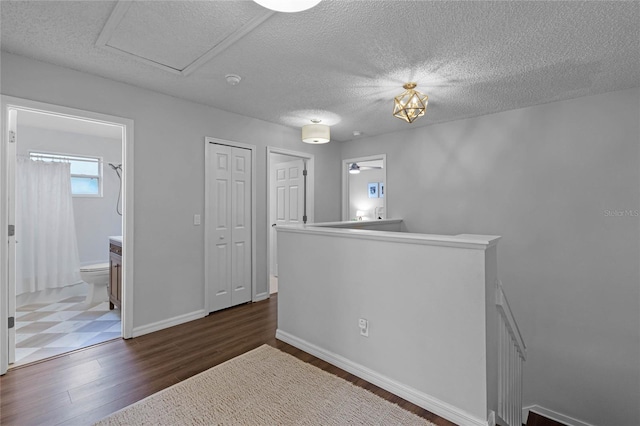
x: 47, y: 248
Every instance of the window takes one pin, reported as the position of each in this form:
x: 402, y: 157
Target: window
x: 86, y: 172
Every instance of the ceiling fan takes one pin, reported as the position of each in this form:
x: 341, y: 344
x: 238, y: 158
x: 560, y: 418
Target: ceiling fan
x: 355, y: 168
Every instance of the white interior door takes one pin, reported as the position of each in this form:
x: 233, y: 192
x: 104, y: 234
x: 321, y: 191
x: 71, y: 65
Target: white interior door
x: 230, y: 227
x: 287, y: 206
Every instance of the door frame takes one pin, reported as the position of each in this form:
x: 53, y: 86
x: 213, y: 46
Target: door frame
x: 7, y: 170
x: 255, y: 297
x: 345, y: 182
x: 309, y: 192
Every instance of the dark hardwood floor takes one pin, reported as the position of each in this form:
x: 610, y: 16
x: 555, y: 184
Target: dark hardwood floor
x: 81, y: 387
x: 536, y: 419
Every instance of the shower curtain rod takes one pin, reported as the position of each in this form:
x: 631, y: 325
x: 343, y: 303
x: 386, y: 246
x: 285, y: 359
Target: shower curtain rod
x: 59, y: 158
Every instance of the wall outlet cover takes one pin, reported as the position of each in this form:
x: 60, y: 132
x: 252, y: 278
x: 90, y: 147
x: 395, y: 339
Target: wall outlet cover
x: 364, y: 327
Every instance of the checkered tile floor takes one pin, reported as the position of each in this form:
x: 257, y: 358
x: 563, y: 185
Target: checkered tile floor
x: 45, y: 330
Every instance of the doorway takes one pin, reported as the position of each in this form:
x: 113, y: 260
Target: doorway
x: 26, y: 120
x: 230, y: 230
x: 364, y: 193
x: 290, y: 181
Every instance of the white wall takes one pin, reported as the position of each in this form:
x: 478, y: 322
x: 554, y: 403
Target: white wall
x: 358, y: 192
x: 169, y: 176
x: 95, y: 217
x: 425, y: 305
x: 543, y: 178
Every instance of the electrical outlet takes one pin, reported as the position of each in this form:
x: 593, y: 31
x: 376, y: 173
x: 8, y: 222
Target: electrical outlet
x: 196, y: 219
x: 364, y: 327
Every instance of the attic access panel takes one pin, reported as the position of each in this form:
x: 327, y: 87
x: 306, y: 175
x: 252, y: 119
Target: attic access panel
x: 178, y: 37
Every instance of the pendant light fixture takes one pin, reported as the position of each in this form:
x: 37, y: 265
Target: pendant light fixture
x: 316, y: 133
x: 288, y: 6
x: 354, y: 169
x: 410, y: 104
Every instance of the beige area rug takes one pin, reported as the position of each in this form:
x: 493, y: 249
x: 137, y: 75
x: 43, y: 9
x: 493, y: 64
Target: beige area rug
x: 264, y: 387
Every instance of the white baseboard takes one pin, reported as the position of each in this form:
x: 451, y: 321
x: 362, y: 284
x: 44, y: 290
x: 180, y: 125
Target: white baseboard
x: 421, y: 399
x: 170, y: 322
x: 260, y: 297
x: 553, y: 415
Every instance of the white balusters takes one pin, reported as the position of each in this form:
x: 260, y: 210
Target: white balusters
x: 512, y: 353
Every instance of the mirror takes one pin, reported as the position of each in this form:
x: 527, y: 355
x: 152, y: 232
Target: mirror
x: 364, y: 192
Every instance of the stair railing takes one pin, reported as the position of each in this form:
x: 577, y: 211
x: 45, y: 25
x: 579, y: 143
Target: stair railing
x: 512, y: 353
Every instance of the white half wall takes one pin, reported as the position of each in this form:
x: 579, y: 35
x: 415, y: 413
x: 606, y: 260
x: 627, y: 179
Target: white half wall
x: 559, y: 182
x: 426, y: 303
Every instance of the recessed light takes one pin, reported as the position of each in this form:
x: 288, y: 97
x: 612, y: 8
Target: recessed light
x: 357, y: 133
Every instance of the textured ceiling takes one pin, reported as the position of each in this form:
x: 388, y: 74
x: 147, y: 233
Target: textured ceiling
x: 343, y: 61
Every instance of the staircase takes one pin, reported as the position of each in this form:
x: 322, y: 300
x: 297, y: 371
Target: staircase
x: 536, y: 419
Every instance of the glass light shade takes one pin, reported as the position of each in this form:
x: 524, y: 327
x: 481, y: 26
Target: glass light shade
x: 354, y: 169
x: 410, y: 105
x: 288, y: 5
x: 316, y: 133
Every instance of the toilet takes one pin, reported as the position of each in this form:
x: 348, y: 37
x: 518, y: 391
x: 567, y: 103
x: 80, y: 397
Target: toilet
x: 97, y: 277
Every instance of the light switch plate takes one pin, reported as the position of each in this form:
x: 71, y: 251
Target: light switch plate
x: 196, y: 219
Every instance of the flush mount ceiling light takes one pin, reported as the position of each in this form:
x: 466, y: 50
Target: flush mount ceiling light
x: 354, y: 169
x: 287, y: 5
x: 316, y: 132
x: 411, y: 104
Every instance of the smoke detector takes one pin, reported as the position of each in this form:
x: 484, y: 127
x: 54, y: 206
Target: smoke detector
x: 233, y: 79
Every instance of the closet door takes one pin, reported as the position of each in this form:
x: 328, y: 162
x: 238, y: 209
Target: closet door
x: 229, y: 217
x: 241, y: 226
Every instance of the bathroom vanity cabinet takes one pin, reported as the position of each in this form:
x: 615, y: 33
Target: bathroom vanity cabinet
x: 115, y: 273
